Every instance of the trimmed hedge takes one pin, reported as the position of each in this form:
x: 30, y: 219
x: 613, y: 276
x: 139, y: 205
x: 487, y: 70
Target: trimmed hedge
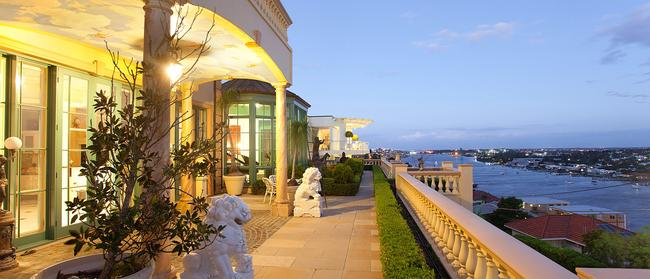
x: 568, y: 258
x: 401, y: 256
x: 331, y: 188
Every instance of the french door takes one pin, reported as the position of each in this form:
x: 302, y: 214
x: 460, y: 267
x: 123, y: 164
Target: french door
x: 28, y: 183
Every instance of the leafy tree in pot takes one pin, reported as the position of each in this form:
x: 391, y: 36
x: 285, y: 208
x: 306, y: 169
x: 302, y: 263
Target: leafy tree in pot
x: 128, y: 213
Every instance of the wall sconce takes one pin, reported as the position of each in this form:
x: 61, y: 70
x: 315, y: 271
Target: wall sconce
x: 174, y: 72
x: 12, y: 144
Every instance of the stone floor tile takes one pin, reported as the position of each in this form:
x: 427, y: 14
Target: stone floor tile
x: 327, y: 274
x: 352, y: 264
x: 286, y: 273
x: 362, y: 275
x: 319, y: 263
x: 276, y: 261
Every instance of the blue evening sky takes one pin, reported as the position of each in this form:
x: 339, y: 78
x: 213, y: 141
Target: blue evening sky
x: 477, y: 74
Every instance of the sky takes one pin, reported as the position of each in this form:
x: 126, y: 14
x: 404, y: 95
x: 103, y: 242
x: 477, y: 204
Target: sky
x: 477, y: 74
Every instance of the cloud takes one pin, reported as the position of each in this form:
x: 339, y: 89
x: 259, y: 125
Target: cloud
x: 626, y: 95
x: 612, y: 57
x: 408, y: 15
x: 481, y: 32
x: 430, y: 45
x: 634, y: 29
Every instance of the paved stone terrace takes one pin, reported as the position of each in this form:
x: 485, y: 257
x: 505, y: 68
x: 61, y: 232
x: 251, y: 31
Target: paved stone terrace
x: 344, y: 243
x: 260, y: 228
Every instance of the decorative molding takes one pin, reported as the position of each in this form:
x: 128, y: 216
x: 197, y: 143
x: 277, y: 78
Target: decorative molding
x: 276, y: 16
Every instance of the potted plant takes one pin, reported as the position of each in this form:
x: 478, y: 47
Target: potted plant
x: 127, y: 213
x: 234, y: 178
x: 298, y: 138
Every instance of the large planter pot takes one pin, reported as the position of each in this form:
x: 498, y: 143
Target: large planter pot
x: 234, y: 184
x: 87, y: 263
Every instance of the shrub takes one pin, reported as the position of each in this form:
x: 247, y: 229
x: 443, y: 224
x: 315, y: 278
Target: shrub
x: 401, y: 256
x: 331, y: 188
x: 258, y: 188
x: 343, y: 174
x: 568, y: 258
x: 355, y: 164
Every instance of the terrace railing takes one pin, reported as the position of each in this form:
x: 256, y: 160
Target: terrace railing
x: 372, y: 162
x: 467, y: 245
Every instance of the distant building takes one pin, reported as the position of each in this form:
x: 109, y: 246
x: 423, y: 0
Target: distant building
x: 541, y: 204
x: 616, y: 218
x: 484, y: 202
x: 334, y: 131
x: 526, y: 162
x: 481, y: 197
x: 562, y: 230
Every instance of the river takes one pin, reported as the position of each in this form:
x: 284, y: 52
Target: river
x: 502, y: 181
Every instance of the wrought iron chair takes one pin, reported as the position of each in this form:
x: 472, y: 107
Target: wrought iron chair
x: 270, y: 189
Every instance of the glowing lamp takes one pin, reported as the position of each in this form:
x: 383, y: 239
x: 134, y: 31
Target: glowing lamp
x: 174, y: 72
x: 12, y: 144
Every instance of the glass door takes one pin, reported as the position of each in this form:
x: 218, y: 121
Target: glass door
x: 75, y: 112
x: 3, y: 116
x: 28, y: 192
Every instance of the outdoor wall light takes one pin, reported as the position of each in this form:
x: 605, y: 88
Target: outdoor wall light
x: 12, y: 144
x: 174, y: 72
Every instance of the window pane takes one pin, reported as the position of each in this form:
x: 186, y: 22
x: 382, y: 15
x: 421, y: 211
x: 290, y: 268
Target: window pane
x: 32, y: 213
x: 262, y: 110
x: 32, y: 85
x: 32, y: 170
x: 78, y: 95
x: 33, y: 128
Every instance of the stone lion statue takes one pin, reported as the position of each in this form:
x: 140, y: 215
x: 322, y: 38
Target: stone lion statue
x: 214, y: 261
x: 307, y: 199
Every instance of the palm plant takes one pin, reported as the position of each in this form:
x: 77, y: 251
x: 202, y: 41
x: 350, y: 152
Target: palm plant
x: 298, y: 137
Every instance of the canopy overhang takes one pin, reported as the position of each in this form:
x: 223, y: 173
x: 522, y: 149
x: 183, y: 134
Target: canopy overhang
x: 244, y: 42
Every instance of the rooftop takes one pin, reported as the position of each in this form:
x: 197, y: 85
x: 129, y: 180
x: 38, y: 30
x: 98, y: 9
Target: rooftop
x: 570, y: 227
x: 257, y: 87
x: 543, y: 200
x: 585, y: 209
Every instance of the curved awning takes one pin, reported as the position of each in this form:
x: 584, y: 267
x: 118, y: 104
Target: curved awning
x: 76, y: 32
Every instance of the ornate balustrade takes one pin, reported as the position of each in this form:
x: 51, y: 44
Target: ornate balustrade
x: 468, y: 246
x: 443, y: 181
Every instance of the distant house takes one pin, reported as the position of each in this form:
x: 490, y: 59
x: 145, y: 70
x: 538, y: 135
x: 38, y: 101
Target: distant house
x: 484, y: 202
x: 606, y: 215
x: 541, y: 204
x: 562, y: 230
x: 481, y: 197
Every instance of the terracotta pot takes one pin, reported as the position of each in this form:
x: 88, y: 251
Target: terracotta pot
x: 234, y: 184
x: 87, y: 263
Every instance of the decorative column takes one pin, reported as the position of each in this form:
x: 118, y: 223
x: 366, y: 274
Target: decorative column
x: 187, y: 182
x: 7, y: 225
x: 466, y: 184
x: 281, y: 205
x: 156, y: 58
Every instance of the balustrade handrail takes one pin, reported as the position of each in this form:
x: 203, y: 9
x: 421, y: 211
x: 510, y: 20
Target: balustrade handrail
x: 434, y: 172
x: 502, y: 255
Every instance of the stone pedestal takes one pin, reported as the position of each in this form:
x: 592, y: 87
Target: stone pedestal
x: 7, y: 251
x: 285, y: 209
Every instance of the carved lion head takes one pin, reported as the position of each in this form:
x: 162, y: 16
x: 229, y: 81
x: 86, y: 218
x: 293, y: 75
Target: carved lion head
x: 311, y: 175
x: 228, y: 208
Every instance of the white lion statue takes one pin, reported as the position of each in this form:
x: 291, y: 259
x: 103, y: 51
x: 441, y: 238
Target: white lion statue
x: 307, y: 199
x: 214, y: 261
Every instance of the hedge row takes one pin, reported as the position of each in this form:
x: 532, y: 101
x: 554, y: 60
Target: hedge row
x: 568, y: 258
x: 331, y: 188
x: 401, y: 256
